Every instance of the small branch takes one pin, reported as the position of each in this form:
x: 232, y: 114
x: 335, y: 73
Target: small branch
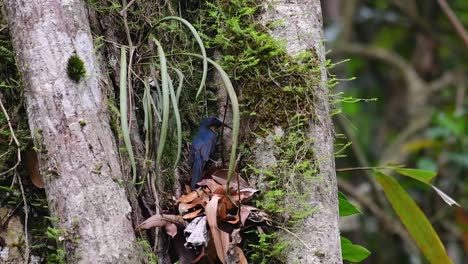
x: 294, y: 235
x: 26, y: 214
x: 460, y: 97
x: 361, y: 168
x: 124, y: 10
x: 452, y: 17
x: 349, y: 12
x: 394, y: 152
x: 7, y: 218
x: 415, y: 84
x: 376, y: 53
x: 446, y: 79
x: 177, y: 183
x: 13, y: 136
x: 3, y: 28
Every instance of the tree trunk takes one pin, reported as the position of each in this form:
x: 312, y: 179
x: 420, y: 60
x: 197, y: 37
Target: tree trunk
x: 301, y: 30
x: 70, y: 127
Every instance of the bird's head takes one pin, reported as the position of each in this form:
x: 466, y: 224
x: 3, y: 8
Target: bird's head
x: 211, y: 122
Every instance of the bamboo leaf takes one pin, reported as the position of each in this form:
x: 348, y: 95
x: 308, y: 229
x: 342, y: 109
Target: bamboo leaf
x: 424, y: 176
x: 414, y: 220
x: 124, y: 111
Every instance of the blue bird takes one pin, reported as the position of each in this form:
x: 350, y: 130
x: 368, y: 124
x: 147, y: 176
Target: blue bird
x: 203, y: 145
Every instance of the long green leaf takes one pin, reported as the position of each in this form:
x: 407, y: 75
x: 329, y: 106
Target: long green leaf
x: 177, y: 119
x: 181, y: 82
x: 235, y: 118
x: 200, y: 44
x: 165, y: 103
x: 424, y: 176
x: 235, y: 114
x: 414, y: 220
x: 124, y: 111
x: 148, y: 118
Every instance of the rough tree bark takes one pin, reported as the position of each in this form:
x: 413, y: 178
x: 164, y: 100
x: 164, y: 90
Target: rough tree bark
x: 302, y: 30
x: 70, y: 127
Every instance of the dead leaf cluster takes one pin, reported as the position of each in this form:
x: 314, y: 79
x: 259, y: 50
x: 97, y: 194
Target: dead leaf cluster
x: 210, y: 219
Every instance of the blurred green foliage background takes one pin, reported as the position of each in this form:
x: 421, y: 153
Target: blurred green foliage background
x: 411, y: 55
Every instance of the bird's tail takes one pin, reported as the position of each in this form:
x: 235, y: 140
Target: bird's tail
x: 196, y: 170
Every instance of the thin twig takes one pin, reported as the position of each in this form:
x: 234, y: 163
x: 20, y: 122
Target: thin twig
x: 13, y: 136
x: 126, y: 7
x: 296, y: 236
x: 26, y: 213
x: 452, y: 17
x: 446, y: 79
x: 7, y: 218
x: 363, y: 168
x: 3, y: 28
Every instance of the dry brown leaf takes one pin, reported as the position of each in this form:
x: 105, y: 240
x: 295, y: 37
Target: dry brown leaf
x: 192, y: 214
x: 260, y: 216
x: 244, y: 195
x: 225, y: 243
x: 222, y: 211
x: 171, y: 229
x: 160, y: 221
x: 210, y: 184
x: 228, y: 202
x: 221, y: 190
x: 188, y: 198
x: 154, y: 221
x: 218, y: 236
x: 221, y: 177
x: 242, y: 258
x: 184, y: 207
x: 233, y: 219
x: 245, y: 212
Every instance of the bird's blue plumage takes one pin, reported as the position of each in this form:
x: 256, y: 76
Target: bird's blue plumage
x: 203, y: 145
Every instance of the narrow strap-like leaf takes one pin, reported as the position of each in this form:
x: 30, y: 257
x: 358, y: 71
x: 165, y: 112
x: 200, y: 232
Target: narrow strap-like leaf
x: 124, y: 112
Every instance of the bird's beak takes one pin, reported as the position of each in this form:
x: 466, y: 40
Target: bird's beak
x: 214, y: 128
x: 224, y: 125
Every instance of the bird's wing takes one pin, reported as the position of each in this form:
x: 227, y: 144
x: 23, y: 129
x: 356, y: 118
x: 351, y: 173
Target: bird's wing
x: 208, y: 146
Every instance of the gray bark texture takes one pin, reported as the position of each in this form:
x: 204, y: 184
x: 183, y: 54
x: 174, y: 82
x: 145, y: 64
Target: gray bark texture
x: 70, y: 126
x: 302, y: 30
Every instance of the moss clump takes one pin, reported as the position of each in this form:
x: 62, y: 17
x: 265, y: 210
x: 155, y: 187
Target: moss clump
x: 273, y: 86
x: 82, y: 123
x: 75, y: 68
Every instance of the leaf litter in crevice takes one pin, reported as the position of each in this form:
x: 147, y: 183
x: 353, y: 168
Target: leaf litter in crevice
x: 212, y: 201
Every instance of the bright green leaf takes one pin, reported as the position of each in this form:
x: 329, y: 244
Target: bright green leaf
x: 420, y: 175
x: 352, y: 252
x: 345, y: 207
x: 414, y: 220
